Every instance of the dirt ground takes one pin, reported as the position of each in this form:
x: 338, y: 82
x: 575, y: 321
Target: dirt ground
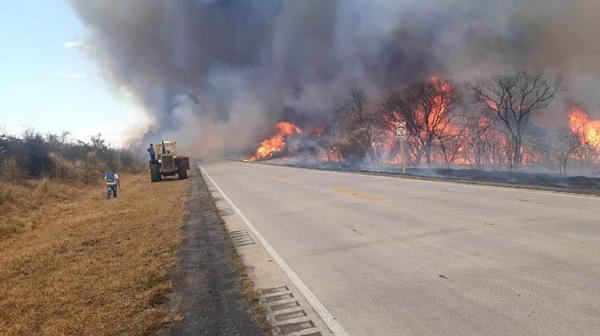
x: 211, y: 288
x: 74, y: 263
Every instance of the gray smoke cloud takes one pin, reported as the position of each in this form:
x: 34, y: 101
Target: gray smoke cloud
x: 216, y: 74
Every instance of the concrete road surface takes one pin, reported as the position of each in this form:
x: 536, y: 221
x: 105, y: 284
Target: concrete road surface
x: 394, y: 256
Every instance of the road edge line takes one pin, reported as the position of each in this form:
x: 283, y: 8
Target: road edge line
x: 319, y: 308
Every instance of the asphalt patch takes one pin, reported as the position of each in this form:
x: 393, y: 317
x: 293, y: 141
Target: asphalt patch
x: 207, y: 289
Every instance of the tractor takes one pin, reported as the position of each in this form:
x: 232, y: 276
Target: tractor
x: 168, y: 163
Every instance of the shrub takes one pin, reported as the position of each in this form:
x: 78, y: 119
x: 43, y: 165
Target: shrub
x: 35, y: 155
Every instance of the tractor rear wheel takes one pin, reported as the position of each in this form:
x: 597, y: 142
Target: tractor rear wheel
x: 154, y: 172
x: 181, y: 170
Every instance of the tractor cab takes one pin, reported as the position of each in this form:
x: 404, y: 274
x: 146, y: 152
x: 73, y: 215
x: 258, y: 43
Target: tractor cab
x: 166, y: 147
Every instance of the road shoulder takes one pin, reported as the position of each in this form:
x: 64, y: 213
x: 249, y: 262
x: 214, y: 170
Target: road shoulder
x: 290, y: 307
x: 209, y: 287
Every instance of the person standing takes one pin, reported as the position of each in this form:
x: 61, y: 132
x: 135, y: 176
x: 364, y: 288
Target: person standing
x: 152, y: 153
x: 113, y: 184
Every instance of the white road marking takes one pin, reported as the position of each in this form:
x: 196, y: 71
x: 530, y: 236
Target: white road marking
x: 325, y: 315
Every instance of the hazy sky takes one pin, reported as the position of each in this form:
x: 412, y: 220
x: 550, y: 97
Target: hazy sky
x: 48, y: 83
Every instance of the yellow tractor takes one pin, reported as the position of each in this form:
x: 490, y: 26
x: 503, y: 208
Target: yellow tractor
x: 168, y: 163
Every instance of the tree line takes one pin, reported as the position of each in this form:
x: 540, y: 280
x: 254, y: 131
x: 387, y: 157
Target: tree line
x: 484, y: 124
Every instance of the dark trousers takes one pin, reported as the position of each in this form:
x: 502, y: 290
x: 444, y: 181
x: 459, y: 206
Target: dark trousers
x: 152, y: 158
x: 111, y: 188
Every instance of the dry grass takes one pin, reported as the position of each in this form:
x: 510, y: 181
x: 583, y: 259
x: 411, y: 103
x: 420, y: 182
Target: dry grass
x: 74, y: 263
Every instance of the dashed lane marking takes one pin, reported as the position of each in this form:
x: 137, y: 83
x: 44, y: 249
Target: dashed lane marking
x: 360, y: 195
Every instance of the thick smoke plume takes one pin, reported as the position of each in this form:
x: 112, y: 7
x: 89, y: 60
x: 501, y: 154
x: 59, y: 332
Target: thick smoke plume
x: 216, y: 74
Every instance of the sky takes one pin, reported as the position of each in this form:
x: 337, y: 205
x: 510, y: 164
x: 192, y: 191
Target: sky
x: 48, y: 83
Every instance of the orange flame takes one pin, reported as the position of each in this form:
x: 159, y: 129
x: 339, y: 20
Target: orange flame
x: 587, y: 129
x: 492, y: 105
x: 440, y: 102
x: 436, y: 120
x: 276, y: 143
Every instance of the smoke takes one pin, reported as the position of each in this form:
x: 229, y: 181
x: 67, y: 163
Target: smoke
x: 215, y: 74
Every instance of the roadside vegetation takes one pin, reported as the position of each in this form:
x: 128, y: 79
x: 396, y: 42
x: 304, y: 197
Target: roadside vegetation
x: 37, y: 169
x: 496, y: 123
x: 72, y: 262
x: 443, y: 123
x: 35, y: 155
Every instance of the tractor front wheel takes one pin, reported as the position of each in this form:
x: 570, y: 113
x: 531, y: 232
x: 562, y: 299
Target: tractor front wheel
x: 181, y: 170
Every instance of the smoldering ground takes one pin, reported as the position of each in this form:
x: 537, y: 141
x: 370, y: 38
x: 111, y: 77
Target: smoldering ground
x: 216, y: 74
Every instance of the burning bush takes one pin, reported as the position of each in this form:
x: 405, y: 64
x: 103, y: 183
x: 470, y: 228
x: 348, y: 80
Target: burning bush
x: 426, y: 109
x: 276, y: 144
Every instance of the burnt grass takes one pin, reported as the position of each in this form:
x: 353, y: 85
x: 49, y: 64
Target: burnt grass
x: 576, y: 184
x: 212, y: 291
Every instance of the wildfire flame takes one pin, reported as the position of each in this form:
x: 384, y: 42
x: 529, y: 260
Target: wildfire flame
x: 436, y: 119
x: 440, y: 103
x: 458, y: 141
x: 492, y: 105
x: 588, y: 129
x: 276, y: 143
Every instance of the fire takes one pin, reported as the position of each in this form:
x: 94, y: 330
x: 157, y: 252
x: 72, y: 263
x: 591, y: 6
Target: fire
x: 441, y: 102
x: 492, y: 105
x: 455, y: 139
x: 276, y: 143
x: 432, y: 118
x: 589, y: 130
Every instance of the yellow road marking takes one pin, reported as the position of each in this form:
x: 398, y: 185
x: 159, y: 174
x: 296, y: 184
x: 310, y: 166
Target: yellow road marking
x: 360, y: 195
x: 271, y: 176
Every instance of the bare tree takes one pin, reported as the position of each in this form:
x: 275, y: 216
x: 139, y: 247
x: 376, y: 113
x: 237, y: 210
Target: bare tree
x: 355, y: 128
x: 480, y: 138
x: 451, y: 145
x: 513, y: 98
x: 427, y: 108
x: 98, y: 143
x: 563, y: 145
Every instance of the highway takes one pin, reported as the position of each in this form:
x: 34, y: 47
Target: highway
x: 398, y: 256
